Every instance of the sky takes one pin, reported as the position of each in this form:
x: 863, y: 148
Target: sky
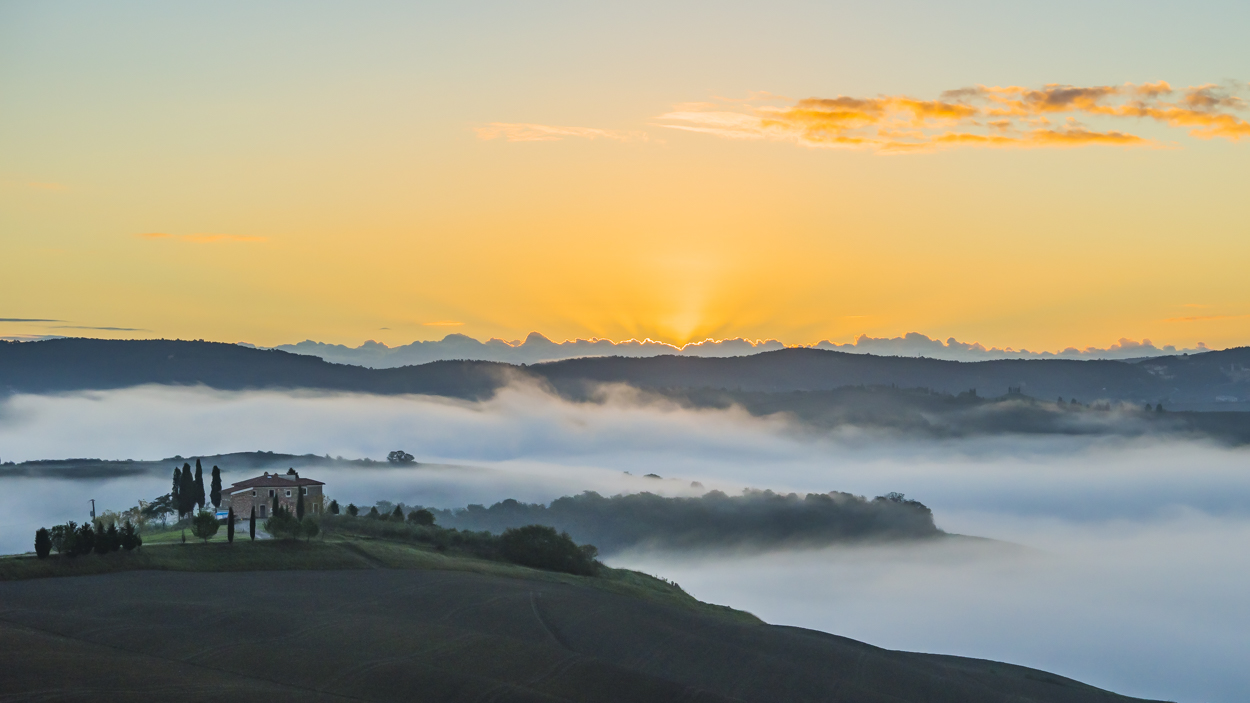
x: 1014, y: 174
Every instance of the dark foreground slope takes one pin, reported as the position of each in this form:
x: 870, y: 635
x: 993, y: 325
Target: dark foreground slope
x: 403, y: 635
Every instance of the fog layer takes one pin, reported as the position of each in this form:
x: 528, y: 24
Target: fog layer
x: 1130, y: 574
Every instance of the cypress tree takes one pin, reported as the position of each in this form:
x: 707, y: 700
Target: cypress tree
x: 251, y: 524
x: 334, y: 507
x: 101, y: 540
x: 114, y: 538
x: 299, y: 503
x: 186, y: 492
x: 229, y: 523
x: 43, y: 543
x: 275, y: 504
x: 215, y: 496
x: 175, y: 494
x: 199, y: 486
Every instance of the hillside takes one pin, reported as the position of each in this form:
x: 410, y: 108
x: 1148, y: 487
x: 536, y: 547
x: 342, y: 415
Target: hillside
x: 399, y: 634
x: 1209, y: 381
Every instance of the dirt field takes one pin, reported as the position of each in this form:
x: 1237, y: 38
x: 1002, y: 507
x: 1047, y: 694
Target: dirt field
x: 418, y: 634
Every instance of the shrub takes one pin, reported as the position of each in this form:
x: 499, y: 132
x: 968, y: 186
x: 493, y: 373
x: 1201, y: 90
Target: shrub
x: 421, y: 517
x: 84, y: 539
x: 310, y: 529
x: 542, y: 547
x: 113, y: 538
x: 283, y: 525
x: 101, y: 545
x: 130, y: 538
x: 43, y: 543
x: 205, y: 525
x: 63, y: 537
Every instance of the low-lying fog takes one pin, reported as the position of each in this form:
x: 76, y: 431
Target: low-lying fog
x: 1132, y: 574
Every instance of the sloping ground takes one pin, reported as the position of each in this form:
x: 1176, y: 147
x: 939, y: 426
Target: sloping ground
x: 403, y: 635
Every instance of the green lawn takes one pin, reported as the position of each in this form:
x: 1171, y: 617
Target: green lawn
x: 168, y: 553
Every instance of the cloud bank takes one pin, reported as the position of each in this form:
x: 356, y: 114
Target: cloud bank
x: 986, y: 116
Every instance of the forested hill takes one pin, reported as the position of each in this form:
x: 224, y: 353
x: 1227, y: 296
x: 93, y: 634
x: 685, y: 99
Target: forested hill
x: 60, y: 365
x: 1210, y: 381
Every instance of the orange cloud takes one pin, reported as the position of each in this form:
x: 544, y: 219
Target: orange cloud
x: 520, y: 132
x: 443, y: 323
x: 988, y: 116
x: 201, y: 238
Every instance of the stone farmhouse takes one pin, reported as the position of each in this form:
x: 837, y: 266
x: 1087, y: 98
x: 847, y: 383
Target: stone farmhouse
x: 259, y: 492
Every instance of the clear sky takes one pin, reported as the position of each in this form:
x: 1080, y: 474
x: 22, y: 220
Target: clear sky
x: 793, y: 170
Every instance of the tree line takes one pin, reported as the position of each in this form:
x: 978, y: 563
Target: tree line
x: 535, y: 546
x: 72, y: 539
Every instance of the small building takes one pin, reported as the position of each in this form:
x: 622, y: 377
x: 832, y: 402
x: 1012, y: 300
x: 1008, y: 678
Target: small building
x: 259, y: 492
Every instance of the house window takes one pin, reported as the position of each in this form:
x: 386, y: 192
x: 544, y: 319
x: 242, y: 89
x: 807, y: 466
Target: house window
x: 304, y: 490
x: 288, y: 494
x: 270, y: 492
x: 253, y: 492
x: 262, y: 510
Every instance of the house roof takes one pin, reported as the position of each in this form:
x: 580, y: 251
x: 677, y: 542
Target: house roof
x: 272, y: 480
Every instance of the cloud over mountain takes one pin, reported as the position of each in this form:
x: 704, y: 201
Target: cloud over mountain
x: 537, y: 348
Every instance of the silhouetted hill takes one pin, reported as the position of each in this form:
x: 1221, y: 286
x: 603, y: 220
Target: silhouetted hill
x: 1213, y: 380
x: 1186, y: 379
x: 58, y: 365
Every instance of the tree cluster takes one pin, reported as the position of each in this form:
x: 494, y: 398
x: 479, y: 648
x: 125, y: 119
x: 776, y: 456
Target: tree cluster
x: 283, y: 524
x: 188, y: 495
x: 72, y: 539
x: 535, y: 546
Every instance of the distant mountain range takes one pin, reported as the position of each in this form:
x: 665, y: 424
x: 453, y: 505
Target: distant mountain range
x: 1217, y: 380
x: 536, y: 348
x: 826, y: 388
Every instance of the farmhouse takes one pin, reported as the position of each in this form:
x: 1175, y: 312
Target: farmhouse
x: 259, y: 492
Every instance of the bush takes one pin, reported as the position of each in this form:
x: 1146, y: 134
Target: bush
x: 421, y: 517
x: 84, y: 539
x: 113, y: 538
x: 63, y: 537
x: 130, y: 538
x: 542, y: 547
x: 43, y: 543
x: 205, y: 525
x: 283, y: 525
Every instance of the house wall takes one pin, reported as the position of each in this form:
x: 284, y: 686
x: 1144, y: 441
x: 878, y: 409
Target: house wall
x: 243, y: 500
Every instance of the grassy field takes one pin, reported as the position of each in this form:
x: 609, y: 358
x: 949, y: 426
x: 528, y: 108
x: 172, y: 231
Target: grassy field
x: 335, y: 553
x: 488, y: 633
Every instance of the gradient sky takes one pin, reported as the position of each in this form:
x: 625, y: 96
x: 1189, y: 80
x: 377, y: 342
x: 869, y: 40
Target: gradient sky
x: 353, y: 171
